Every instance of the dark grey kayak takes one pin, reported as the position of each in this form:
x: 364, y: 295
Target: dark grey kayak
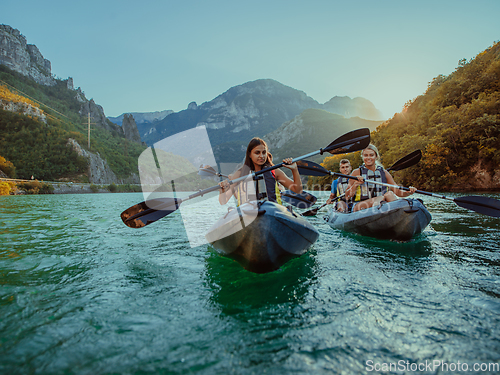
x: 399, y: 220
x: 262, y: 236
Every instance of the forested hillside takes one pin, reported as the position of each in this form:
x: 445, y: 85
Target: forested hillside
x: 40, y: 148
x: 456, y: 124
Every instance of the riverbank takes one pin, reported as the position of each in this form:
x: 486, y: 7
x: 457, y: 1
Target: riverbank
x: 81, y: 188
x: 22, y: 187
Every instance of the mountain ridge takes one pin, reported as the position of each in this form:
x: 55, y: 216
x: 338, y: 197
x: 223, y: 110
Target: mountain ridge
x: 251, y: 109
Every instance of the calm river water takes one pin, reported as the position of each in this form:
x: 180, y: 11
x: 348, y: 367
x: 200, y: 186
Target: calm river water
x: 81, y: 293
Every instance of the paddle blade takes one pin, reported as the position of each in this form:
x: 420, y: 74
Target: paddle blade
x: 312, y: 212
x: 355, y: 140
x: 207, y: 172
x: 406, y: 162
x: 483, y: 205
x: 302, y: 200
x: 142, y: 214
x: 309, y: 168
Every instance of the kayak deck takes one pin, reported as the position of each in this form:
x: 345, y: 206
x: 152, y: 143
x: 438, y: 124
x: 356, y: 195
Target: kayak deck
x: 400, y: 220
x: 262, y: 236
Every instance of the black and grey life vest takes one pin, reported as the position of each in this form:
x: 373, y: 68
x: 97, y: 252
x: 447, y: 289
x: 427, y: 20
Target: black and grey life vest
x: 266, y: 185
x: 342, y: 185
x: 367, y: 191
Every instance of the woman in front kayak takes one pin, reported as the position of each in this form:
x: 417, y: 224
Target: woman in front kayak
x: 257, y: 158
x: 368, y: 195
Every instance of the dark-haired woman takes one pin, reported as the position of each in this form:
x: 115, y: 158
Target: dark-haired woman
x: 257, y: 158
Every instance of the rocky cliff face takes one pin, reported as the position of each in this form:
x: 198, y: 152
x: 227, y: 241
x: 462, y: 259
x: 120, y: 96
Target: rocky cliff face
x: 483, y: 179
x: 27, y: 60
x: 142, y: 117
x: 99, y: 170
x: 25, y: 109
x: 96, y: 115
x: 130, y: 128
x: 22, y: 57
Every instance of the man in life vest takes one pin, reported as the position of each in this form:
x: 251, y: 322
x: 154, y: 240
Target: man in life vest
x: 367, y: 195
x: 339, y: 187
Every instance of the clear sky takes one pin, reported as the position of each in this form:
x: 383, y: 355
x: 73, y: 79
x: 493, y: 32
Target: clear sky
x: 145, y: 56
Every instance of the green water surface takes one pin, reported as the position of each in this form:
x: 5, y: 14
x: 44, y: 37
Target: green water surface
x: 81, y: 293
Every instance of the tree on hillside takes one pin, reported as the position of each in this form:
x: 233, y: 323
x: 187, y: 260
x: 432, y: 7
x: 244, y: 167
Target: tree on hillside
x: 7, y: 167
x: 456, y: 124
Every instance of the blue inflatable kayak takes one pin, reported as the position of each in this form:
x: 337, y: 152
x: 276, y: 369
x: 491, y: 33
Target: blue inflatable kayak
x: 400, y: 220
x: 262, y: 236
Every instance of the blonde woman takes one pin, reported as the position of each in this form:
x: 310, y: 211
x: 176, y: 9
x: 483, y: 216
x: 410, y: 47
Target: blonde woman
x: 367, y: 195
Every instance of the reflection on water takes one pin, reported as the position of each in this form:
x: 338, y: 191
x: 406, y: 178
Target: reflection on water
x: 236, y: 290
x: 420, y: 246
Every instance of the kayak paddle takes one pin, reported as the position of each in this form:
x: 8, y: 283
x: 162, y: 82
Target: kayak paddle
x: 208, y: 172
x: 301, y: 200
x: 314, y: 211
x: 483, y: 205
x: 145, y: 213
x: 406, y: 161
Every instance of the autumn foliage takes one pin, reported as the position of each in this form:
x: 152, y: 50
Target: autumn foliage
x: 456, y: 124
x: 7, y: 96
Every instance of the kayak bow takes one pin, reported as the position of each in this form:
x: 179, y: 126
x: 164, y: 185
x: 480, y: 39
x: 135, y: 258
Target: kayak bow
x: 399, y: 220
x: 262, y: 236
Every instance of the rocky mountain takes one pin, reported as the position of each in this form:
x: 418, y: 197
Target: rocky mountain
x: 357, y: 107
x: 144, y: 120
x: 142, y: 117
x: 24, y: 58
x: 98, y: 168
x: 130, y: 128
x: 252, y: 109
